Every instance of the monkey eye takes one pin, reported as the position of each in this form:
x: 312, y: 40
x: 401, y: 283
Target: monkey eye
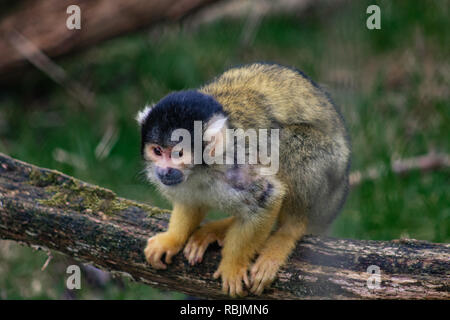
x: 178, y: 154
x: 157, y: 151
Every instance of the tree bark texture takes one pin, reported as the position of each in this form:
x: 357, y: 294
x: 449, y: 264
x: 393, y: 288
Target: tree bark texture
x: 46, y: 208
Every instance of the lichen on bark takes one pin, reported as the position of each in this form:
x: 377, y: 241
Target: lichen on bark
x: 46, y: 208
x: 67, y: 192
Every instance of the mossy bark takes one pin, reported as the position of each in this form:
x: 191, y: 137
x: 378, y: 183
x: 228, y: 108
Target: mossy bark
x: 47, y: 208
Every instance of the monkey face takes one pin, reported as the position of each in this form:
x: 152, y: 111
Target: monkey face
x: 168, y: 134
x: 166, y: 165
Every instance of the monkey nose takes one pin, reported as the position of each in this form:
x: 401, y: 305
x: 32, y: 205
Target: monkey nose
x: 162, y: 172
x: 169, y: 176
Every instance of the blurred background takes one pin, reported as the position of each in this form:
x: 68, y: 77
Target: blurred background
x: 72, y: 107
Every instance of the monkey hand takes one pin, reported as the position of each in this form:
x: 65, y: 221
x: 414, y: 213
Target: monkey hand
x: 198, y: 243
x: 162, y: 243
x: 232, y: 277
x: 203, y: 237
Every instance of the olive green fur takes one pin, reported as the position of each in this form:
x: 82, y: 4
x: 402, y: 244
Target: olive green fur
x: 314, y: 144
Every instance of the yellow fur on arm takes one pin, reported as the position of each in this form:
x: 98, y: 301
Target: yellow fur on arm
x: 183, y: 221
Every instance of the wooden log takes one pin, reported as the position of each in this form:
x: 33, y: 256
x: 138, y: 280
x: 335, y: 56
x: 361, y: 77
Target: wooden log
x: 43, y: 23
x: 46, y: 208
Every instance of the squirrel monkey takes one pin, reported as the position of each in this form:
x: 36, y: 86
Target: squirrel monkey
x: 269, y: 211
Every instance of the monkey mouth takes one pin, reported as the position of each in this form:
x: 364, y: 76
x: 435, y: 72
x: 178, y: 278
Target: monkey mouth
x: 171, y: 182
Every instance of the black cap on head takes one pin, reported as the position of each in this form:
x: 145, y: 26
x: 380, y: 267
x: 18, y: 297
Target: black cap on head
x: 175, y: 111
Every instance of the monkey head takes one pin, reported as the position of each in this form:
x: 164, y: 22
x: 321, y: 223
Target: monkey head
x: 169, y: 131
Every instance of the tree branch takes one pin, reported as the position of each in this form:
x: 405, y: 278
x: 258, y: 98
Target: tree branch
x: 46, y: 208
x: 43, y: 23
x: 427, y: 162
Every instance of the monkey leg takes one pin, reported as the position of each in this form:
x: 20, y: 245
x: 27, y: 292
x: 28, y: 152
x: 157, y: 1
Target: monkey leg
x: 275, y: 251
x: 245, y: 236
x: 183, y: 222
x: 207, y: 234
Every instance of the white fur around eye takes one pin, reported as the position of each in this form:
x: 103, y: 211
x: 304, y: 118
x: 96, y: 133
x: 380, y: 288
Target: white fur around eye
x: 142, y: 115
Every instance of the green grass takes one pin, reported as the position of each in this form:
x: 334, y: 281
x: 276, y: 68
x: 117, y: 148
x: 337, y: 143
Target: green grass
x: 391, y: 85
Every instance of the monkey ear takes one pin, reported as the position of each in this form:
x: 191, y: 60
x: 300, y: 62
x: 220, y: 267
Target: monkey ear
x: 214, y: 126
x: 143, y: 114
x: 215, y: 134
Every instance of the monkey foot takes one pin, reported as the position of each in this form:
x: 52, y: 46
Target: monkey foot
x: 199, y: 242
x: 158, y: 245
x: 232, y: 278
x: 262, y: 273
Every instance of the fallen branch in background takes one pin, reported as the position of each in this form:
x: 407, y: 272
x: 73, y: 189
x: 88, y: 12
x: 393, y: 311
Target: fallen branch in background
x: 43, y: 23
x: 41, y: 207
x: 233, y: 9
x: 36, y: 57
x: 428, y: 162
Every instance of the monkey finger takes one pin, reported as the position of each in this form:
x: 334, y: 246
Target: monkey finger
x: 258, y: 271
x: 257, y: 290
x: 231, y: 288
x: 157, y: 254
x: 150, y: 240
x: 187, y: 249
x: 169, y: 255
x: 197, y: 256
x: 261, y: 275
x: 156, y: 260
x: 246, y: 280
x: 158, y: 264
x: 201, y: 251
x: 189, y: 253
x: 255, y: 268
x: 225, y: 287
x: 257, y: 279
x: 149, y: 252
x: 217, y: 274
x: 265, y: 282
x: 192, y: 255
x: 239, y: 290
x: 262, y: 280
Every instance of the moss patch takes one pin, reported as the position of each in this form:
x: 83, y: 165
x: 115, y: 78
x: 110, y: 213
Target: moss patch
x: 43, y: 178
x: 70, y: 193
x: 83, y: 198
x: 151, y: 210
